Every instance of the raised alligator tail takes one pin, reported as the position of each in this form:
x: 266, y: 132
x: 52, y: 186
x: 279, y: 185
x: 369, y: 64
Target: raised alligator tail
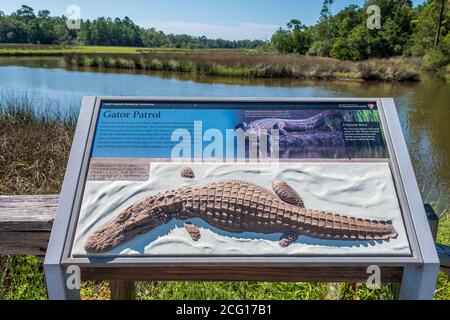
x: 327, y: 225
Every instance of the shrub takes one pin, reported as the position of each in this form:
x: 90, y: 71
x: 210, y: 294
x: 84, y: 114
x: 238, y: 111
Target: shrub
x: 343, y: 50
x: 435, y: 59
x: 438, y: 58
x: 155, y: 64
x: 106, y: 62
x: 93, y: 62
x: 137, y: 63
x: 319, y: 48
x: 387, y: 70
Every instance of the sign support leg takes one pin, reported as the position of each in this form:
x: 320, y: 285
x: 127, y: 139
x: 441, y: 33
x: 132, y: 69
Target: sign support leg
x: 419, y: 282
x: 57, y: 289
x: 122, y: 290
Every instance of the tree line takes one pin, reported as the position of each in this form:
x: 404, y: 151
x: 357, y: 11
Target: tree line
x: 27, y: 26
x: 404, y: 30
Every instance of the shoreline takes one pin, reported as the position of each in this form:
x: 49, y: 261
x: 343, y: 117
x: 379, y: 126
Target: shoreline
x: 244, y: 64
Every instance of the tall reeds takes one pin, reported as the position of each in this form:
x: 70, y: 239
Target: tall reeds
x: 241, y: 64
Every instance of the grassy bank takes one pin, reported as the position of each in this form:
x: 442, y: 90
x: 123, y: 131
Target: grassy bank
x: 247, y: 65
x: 59, y: 50
x: 33, y: 154
x: 224, y: 63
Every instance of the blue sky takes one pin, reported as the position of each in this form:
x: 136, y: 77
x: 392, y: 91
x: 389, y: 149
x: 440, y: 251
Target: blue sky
x: 228, y: 19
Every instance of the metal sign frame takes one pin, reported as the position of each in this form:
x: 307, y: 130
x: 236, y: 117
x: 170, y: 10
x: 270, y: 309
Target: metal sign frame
x: 419, y: 270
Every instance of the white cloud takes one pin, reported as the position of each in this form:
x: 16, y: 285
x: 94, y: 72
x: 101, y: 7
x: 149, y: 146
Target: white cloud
x: 230, y: 31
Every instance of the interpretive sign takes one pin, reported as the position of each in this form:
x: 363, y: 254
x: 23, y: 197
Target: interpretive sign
x: 248, y: 182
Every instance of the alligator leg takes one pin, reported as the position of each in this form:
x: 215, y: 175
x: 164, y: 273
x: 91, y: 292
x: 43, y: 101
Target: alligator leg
x: 280, y: 126
x: 187, y: 172
x: 288, y: 238
x: 193, y: 231
x: 286, y: 193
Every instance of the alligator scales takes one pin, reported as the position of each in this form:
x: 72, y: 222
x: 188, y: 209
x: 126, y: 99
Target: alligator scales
x: 236, y: 206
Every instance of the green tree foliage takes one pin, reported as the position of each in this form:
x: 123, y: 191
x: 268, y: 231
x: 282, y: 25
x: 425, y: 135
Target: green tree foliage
x: 155, y: 39
x: 325, y: 28
x: 350, y: 36
x: 427, y: 23
x: 424, y: 24
x: 296, y: 39
x: 396, y: 28
x: 405, y: 30
x: 25, y: 13
x: 106, y: 31
x: 421, y: 31
x: 25, y: 26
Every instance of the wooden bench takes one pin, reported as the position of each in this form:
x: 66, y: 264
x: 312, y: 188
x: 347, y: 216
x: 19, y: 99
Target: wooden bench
x: 26, y: 222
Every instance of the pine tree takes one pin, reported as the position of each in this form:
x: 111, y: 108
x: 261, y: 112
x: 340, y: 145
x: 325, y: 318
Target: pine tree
x: 439, y: 24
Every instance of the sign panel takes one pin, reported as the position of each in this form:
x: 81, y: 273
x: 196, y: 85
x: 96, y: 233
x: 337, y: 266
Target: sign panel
x: 153, y: 130
x: 240, y: 179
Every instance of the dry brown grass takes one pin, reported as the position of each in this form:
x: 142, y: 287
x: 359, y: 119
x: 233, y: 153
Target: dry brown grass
x: 242, y: 64
x: 33, y: 153
x: 393, y: 69
x: 33, y: 156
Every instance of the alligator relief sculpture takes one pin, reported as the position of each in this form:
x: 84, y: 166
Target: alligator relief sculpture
x: 236, y: 206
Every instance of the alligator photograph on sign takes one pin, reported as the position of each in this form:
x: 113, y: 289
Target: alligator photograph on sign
x: 350, y: 131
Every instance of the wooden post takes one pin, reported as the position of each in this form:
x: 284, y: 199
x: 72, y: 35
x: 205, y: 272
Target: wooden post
x: 333, y: 291
x: 444, y: 257
x: 433, y: 220
x: 122, y: 290
x: 395, y: 287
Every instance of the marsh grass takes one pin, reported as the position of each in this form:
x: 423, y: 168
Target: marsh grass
x: 34, y: 146
x: 33, y: 154
x: 335, y: 124
x: 245, y: 65
x: 21, y: 49
x: 393, y: 69
x: 367, y: 116
x: 224, y: 62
